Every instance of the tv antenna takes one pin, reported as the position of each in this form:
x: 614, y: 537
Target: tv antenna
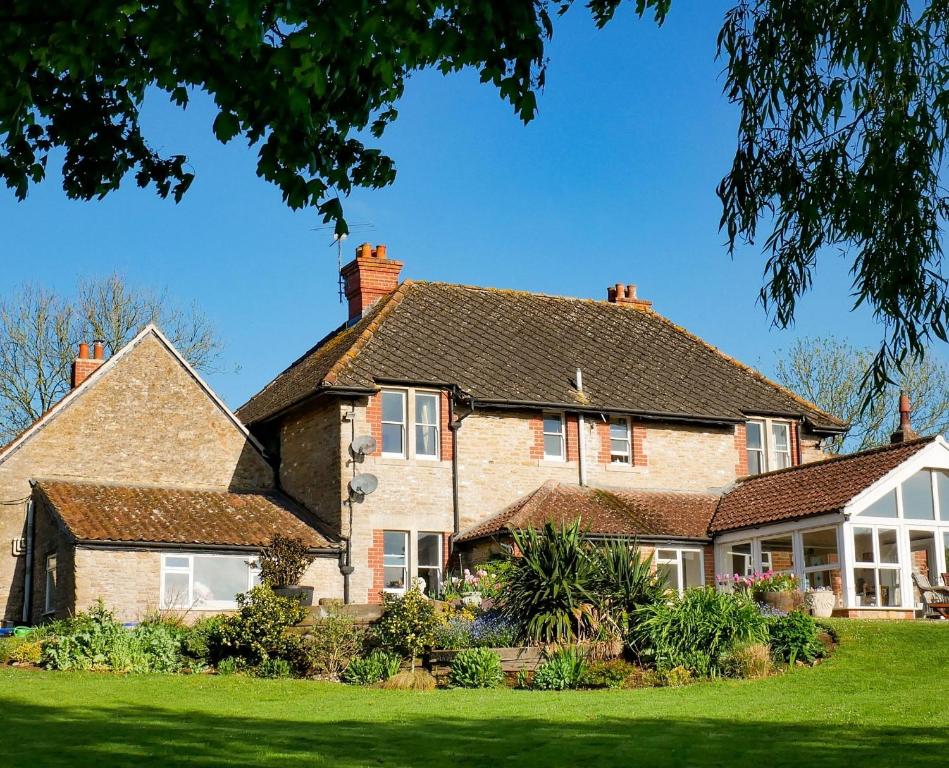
x: 354, y: 227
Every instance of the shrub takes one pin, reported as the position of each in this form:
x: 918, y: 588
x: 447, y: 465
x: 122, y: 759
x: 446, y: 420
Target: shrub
x: 676, y: 677
x: 624, y: 581
x: 377, y: 666
x: 157, y: 644
x: 749, y: 661
x: 273, y: 668
x: 548, y: 590
x: 609, y: 674
x: 25, y: 650
x: 416, y: 680
x: 564, y: 669
x: 795, y: 637
x: 230, y: 666
x: 329, y: 645
x: 477, y: 668
x: 259, y: 630
x: 408, y: 625
x: 454, y: 633
x: 89, y: 640
x: 696, y: 630
x: 196, y: 638
x: 283, y: 561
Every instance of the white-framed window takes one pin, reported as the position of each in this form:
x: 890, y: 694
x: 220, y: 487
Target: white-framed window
x: 821, y: 559
x: 430, y: 566
x: 410, y: 423
x: 393, y: 422
x: 621, y: 447
x: 683, y: 568
x: 395, y: 561
x: 767, y: 445
x: 205, y: 581
x: 876, y: 571
x: 777, y: 554
x: 426, y: 425
x: 554, y: 443
x: 49, y: 599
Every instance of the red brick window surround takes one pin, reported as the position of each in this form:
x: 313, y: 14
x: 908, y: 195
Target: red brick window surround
x: 765, y: 445
x: 414, y: 425
x: 555, y: 436
x: 635, y: 437
x: 406, y: 555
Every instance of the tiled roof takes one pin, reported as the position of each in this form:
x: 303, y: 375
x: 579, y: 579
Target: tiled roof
x: 605, y: 512
x: 95, y: 512
x: 809, y: 489
x: 516, y: 347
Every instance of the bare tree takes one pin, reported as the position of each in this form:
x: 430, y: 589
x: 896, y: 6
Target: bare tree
x: 830, y: 372
x: 40, y: 332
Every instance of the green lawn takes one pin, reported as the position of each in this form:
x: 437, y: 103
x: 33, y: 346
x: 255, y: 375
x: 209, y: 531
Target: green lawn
x: 883, y: 700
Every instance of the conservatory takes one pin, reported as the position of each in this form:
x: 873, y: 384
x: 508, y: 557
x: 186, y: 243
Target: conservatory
x: 859, y: 525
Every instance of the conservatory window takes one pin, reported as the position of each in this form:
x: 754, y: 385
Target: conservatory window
x: 885, y: 506
x: 918, y: 497
x: 738, y: 558
x: 682, y: 568
x: 922, y: 553
x: 777, y: 554
x: 942, y: 495
x: 821, y: 560
x: 877, y: 567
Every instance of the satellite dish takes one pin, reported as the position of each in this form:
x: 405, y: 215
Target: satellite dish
x: 363, y: 485
x: 362, y: 445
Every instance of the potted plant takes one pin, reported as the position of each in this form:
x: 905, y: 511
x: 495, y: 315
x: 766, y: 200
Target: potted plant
x: 821, y: 601
x: 281, y: 565
x: 779, y: 590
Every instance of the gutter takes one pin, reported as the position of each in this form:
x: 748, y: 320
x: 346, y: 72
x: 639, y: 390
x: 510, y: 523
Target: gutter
x: 188, y: 547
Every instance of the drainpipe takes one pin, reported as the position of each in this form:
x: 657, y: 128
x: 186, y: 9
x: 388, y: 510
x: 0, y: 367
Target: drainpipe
x: 28, y: 569
x: 346, y: 556
x: 454, y: 425
x: 581, y: 437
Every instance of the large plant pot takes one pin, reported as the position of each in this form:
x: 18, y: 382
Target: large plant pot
x: 783, y: 601
x: 303, y: 594
x: 821, y: 604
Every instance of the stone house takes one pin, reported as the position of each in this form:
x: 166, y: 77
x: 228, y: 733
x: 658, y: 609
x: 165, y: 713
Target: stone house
x: 142, y: 488
x: 433, y: 422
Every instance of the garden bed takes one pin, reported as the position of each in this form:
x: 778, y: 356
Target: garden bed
x: 513, y: 660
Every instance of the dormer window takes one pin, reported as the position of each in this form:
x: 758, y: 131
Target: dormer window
x: 767, y: 445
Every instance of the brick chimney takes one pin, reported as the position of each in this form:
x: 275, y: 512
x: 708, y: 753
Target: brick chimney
x: 626, y: 294
x: 905, y: 431
x: 368, y: 278
x: 84, y: 365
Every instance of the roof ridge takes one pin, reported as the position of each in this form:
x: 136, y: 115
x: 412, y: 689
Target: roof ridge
x: 835, y: 459
x: 392, y: 301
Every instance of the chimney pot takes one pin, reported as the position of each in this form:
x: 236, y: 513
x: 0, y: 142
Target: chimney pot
x: 905, y: 431
x: 84, y: 366
x: 83, y: 351
x: 98, y: 350
x: 620, y: 293
x: 380, y: 251
x: 364, y: 251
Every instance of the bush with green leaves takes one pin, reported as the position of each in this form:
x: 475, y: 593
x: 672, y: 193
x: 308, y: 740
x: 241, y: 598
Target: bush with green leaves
x: 696, y: 631
x: 563, y: 588
x: 22, y: 650
x: 565, y: 669
x: 409, y: 624
x: 273, y: 667
x: 329, y: 645
x: 283, y: 561
x: 611, y: 673
x: 371, y: 669
x: 196, y: 638
x: 549, y: 589
x: 476, y: 668
x: 259, y: 630
x: 230, y: 666
x: 795, y: 637
x: 750, y: 661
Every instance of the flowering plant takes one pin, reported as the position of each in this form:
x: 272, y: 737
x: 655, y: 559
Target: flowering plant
x: 757, y: 582
x: 485, y: 581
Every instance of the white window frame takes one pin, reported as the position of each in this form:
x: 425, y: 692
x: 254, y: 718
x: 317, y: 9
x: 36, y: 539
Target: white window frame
x: 406, y: 566
x: 404, y: 395
x: 679, y: 563
x: 191, y: 603
x: 416, y: 423
x: 562, y: 434
x: 439, y: 569
x: 49, y: 599
x: 768, y: 448
x: 876, y: 565
x: 619, y: 457
x: 807, y: 570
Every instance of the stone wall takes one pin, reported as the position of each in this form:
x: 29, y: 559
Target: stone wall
x: 143, y: 421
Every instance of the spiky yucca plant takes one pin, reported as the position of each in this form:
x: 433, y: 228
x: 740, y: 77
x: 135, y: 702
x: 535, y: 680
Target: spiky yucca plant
x: 624, y: 581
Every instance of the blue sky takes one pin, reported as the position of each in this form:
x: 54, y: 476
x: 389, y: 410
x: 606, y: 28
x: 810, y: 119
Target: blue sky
x: 614, y: 181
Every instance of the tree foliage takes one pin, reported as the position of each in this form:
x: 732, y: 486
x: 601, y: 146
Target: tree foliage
x: 843, y: 115
x: 829, y: 371
x: 40, y: 331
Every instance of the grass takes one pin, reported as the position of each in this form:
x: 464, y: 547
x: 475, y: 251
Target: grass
x: 883, y: 699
